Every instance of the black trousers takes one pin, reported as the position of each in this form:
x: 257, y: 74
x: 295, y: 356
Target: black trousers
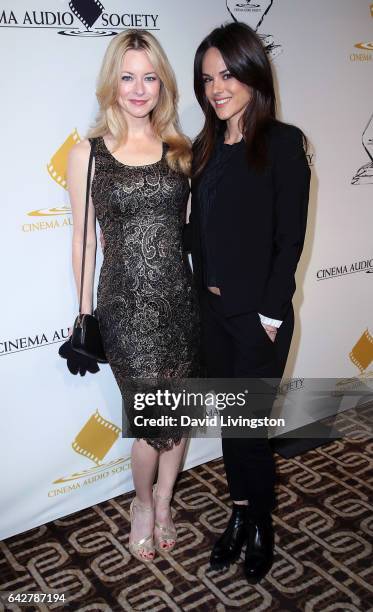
x: 239, y: 347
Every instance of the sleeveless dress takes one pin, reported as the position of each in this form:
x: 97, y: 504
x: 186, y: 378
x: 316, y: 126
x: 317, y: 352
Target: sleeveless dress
x: 147, y: 304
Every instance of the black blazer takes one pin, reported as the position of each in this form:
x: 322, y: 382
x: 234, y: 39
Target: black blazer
x: 258, y: 226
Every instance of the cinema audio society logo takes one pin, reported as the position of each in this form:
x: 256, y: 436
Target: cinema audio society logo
x: 25, y: 343
x: 253, y: 13
x: 57, y: 168
x: 93, y: 442
x: 364, y: 174
x: 364, y: 265
x: 87, y: 18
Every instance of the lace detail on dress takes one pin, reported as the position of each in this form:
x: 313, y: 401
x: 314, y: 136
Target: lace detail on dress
x: 146, y: 300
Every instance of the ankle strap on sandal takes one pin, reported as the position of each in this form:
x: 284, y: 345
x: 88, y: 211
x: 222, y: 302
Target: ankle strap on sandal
x: 162, y: 497
x: 138, y: 504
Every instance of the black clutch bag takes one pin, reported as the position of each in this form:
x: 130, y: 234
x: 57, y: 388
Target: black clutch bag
x: 86, y: 337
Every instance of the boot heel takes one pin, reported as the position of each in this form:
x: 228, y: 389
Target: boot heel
x: 228, y: 547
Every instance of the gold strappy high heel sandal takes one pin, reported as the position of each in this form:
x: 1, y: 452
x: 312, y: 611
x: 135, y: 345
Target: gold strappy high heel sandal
x: 167, y: 541
x: 144, y: 545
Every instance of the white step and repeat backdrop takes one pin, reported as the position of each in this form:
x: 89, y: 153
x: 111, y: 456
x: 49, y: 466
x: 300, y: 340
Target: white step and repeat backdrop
x: 58, y: 454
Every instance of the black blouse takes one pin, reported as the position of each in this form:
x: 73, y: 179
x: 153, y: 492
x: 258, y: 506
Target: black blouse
x: 207, y: 191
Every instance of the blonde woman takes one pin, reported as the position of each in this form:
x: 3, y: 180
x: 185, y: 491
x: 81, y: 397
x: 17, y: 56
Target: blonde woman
x: 146, y: 304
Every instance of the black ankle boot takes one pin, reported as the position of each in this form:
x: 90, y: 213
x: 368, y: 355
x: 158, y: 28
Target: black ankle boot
x: 259, y: 549
x: 228, y: 547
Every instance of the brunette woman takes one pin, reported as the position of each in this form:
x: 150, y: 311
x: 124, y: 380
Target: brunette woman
x: 248, y: 219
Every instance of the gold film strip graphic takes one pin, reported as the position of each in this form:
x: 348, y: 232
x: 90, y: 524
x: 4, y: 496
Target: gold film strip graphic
x: 96, y: 438
x: 95, y: 9
x: 362, y: 353
x: 57, y: 167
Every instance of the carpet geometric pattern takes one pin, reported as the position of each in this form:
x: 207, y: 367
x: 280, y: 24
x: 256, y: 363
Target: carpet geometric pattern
x: 323, y: 543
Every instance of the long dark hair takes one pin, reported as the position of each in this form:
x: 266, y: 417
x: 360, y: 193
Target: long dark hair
x: 246, y: 59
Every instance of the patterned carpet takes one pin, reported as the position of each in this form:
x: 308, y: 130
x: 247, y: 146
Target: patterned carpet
x: 323, y: 558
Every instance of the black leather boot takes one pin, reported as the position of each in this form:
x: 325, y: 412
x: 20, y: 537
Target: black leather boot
x: 228, y: 547
x: 259, y: 549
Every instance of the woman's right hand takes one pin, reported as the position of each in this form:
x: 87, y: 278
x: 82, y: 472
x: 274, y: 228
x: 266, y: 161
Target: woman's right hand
x: 271, y: 331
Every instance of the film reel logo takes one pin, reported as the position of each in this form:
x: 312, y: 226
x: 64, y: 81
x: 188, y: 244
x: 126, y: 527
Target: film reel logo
x: 57, y: 168
x: 361, y: 356
x: 253, y: 13
x: 88, y: 12
x: 94, y: 440
x: 362, y: 353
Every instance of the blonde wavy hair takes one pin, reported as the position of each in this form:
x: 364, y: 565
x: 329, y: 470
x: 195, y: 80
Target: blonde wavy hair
x: 164, y: 117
